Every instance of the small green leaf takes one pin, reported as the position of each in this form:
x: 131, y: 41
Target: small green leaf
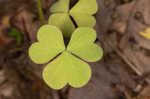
x: 67, y: 69
x: 82, y: 12
x: 50, y: 44
x: 82, y: 44
x: 62, y: 21
x: 16, y: 34
x: 61, y: 6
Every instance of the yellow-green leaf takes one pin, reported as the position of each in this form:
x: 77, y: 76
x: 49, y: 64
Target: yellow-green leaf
x: 60, y: 6
x: 67, y: 69
x: 82, y: 12
x: 82, y: 44
x: 50, y: 43
x: 62, y: 21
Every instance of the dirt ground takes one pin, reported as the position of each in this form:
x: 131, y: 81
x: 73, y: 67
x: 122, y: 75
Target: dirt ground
x: 123, y: 73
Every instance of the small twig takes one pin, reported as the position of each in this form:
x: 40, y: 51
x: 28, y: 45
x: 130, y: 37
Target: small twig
x: 41, y: 15
x: 27, y: 36
x: 125, y: 59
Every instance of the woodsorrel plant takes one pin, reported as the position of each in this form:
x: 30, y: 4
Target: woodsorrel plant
x: 69, y: 67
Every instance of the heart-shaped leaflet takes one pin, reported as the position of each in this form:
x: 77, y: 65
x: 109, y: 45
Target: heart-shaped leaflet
x: 82, y: 13
x: 67, y: 69
x: 62, y: 21
x: 50, y: 44
x: 61, y: 18
x: 82, y: 45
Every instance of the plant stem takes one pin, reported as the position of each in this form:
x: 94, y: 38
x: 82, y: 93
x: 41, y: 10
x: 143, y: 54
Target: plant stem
x: 41, y: 15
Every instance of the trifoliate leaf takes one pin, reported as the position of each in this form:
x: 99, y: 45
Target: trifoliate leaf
x: 82, y: 44
x: 82, y: 13
x: 62, y: 6
x: 146, y: 33
x: 66, y: 69
x: 63, y: 21
x: 50, y: 43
